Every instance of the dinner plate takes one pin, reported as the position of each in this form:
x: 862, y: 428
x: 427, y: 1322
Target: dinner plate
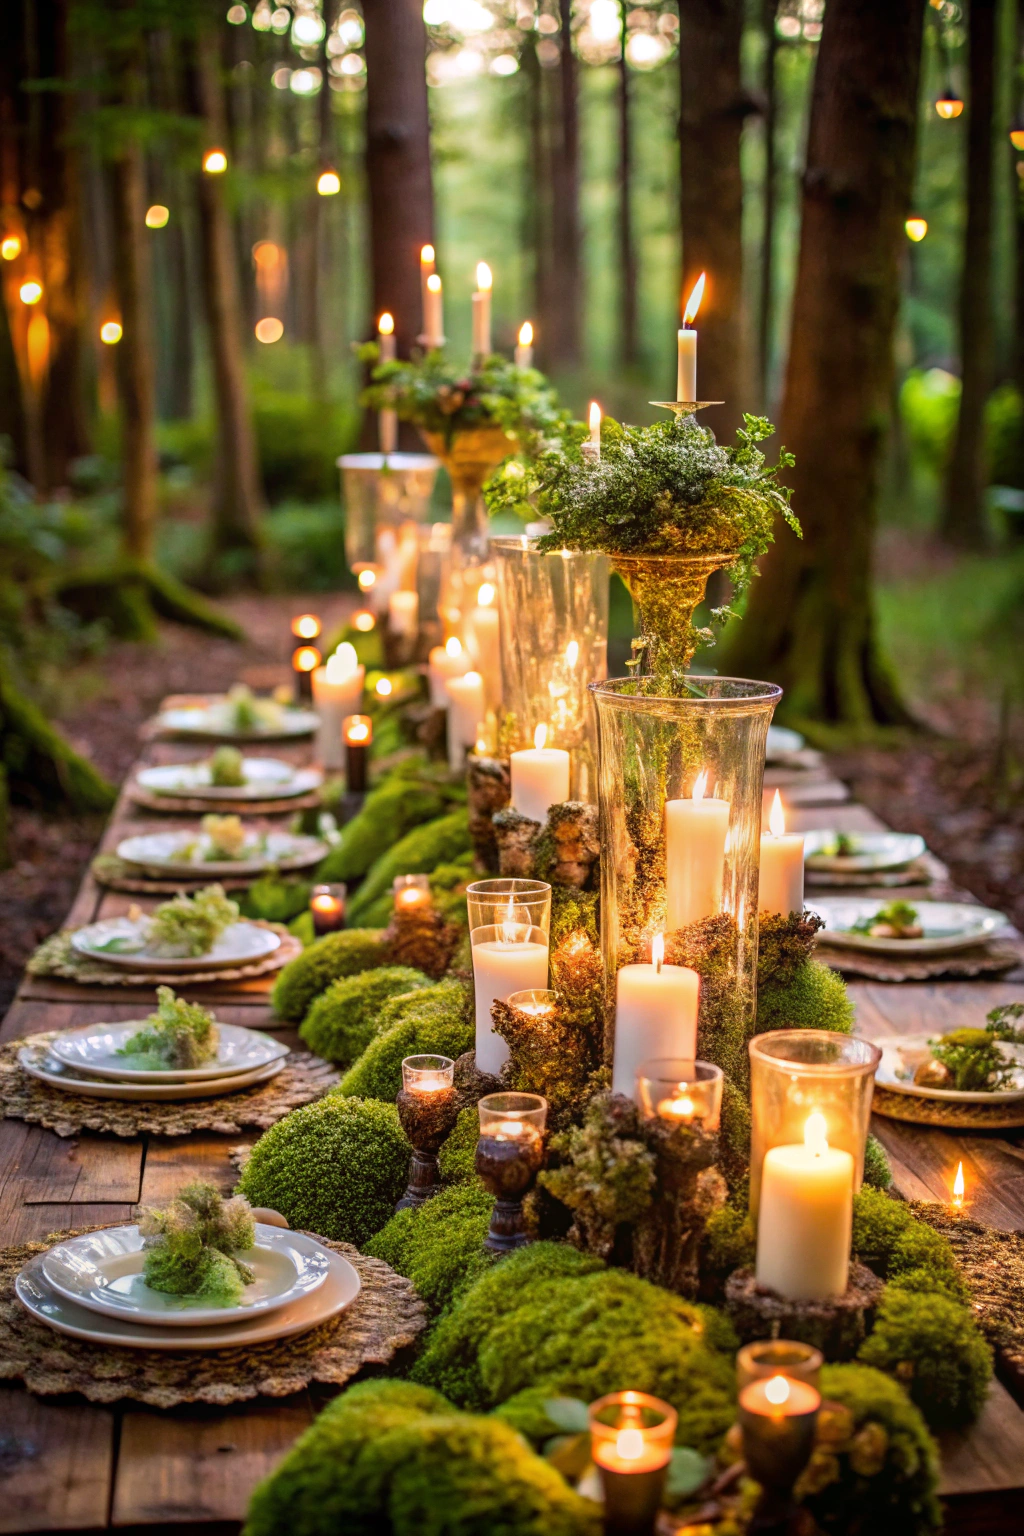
x: 103, y: 1272
x: 874, y: 851
x: 38, y: 1062
x: 948, y: 926
x: 37, y: 1296
x: 214, y: 719
x: 266, y: 778
x: 166, y: 853
x: 239, y: 944
x: 95, y: 1049
x: 902, y: 1054
x: 782, y: 742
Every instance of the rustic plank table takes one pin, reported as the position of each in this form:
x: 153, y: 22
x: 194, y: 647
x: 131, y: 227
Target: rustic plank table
x: 67, y: 1465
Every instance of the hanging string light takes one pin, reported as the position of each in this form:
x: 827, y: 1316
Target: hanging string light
x: 949, y: 103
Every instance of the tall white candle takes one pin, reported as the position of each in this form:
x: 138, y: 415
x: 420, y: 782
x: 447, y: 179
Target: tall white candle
x: 591, y: 449
x: 337, y: 692
x: 540, y: 777
x: 483, y: 640
x: 387, y: 421
x: 433, y: 313
x: 465, y: 712
x: 427, y: 269
x: 404, y: 614
x: 805, y: 1217
x: 444, y: 661
x: 781, y: 880
x: 695, y: 833
x: 482, y: 311
x: 686, y: 369
x: 523, y: 355
x: 655, y: 1016
x: 511, y: 957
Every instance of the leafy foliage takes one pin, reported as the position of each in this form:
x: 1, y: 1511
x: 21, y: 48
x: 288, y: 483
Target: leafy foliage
x: 193, y: 1245
x: 191, y: 925
x: 178, y: 1034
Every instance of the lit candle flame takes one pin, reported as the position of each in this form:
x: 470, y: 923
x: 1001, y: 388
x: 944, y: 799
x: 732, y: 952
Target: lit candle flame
x: 366, y: 580
x: 777, y: 818
x: 700, y: 786
x: 386, y: 324
x: 658, y: 951
x: 453, y: 645
x: 306, y: 659
x: 540, y: 736
x: 434, y: 283
x: 693, y: 302
x: 629, y: 1444
x: 485, y: 594
x: 358, y: 733
x: 508, y: 924
x: 815, y: 1133
x: 427, y: 256
x: 342, y: 665
x: 526, y: 334
x: 384, y: 687
x: 364, y: 622
x: 682, y: 1107
x: 776, y: 1390
x: 572, y: 653
x: 595, y: 418
x: 306, y: 626
x: 484, y: 280
x: 958, y: 1187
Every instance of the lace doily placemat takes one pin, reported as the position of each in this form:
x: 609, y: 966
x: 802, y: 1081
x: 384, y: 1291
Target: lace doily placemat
x: 175, y: 805
x: 56, y: 957
x: 386, y: 1316
x: 989, y: 959
x: 952, y: 1115
x: 115, y: 875
x: 303, y: 1078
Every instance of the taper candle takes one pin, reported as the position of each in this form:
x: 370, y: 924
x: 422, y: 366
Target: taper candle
x: 523, y: 355
x: 482, y: 311
x: 433, y: 313
x: 686, y: 370
x: 387, y: 421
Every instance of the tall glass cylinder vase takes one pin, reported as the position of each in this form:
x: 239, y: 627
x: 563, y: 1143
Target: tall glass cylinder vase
x: 386, y: 497
x: 680, y: 796
x: 554, y: 643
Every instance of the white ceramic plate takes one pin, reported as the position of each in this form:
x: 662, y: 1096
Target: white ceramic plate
x: 902, y: 1054
x: 266, y: 778
x: 948, y: 926
x: 873, y: 851
x: 102, y: 1272
x: 165, y: 853
x: 38, y: 1062
x: 240, y: 943
x: 782, y: 742
x: 94, y: 1051
x: 214, y: 719
x: 339, y: 1290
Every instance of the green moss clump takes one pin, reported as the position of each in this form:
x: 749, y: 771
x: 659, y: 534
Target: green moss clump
x: 227, y: 768
x: 192, y: 1246
x: 875, y: 1466
x: 418, y: 852
x: 450, y: 1359
x: 879, y: 1222
x: 390, y: 1457
x: 178, y: 1034
x: 439, y: 1246
x: 573, y: 912
x: 277, y: 898
x: 336, y: 1167
x: 334, y: 956
x: 387, y: 813
x: 342, y: 1021
x: 434, y: 1021
x: 191, y: 925
x: 877, y: 1173
x: 934, y: 1348
x: 457, y: 1158
x: 730, y: 1241
x: 814, y: 997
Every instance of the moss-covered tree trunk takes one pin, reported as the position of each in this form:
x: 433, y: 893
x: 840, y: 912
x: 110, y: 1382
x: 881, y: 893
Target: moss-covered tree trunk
x: 136, y: 374
x: 810, y: 621
x: 712, y: 104
x: 562, y: 320
x: 963, y: 513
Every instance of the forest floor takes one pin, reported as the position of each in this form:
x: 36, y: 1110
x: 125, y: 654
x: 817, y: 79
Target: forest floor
x: 959, y: 787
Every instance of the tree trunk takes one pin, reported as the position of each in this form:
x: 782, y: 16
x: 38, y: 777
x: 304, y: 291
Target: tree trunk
x: 767, y: 305
x: 810, y: 621
x: 712, y: 108
x: 564, y: 320
x: 963, y: 515
x: 627, y: 248
x: 1018, y: 228
x: 398, y: 160
x: 136, y: 374
x: 237, y: 496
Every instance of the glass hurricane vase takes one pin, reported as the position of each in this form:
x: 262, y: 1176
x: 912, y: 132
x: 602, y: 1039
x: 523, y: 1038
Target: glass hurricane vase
x: 680, y: 796
x: 383, y: 492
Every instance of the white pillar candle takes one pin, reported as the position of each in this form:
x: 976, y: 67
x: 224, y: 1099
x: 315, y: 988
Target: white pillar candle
x: 337, y: 692
x: 781, y: 880
x: 387, y: 421
x: 515, y: 959
x: 444, y: 661
x: 523, y: 355
x: 433, y: 313
x: 686, y: 368
x: 591, y: 449
x: 483, y: 640
x: 482, y: 311
x: 465, y: 712
x: 427, y: 269
x: 805, y: 1217
x: 540, y: 777
x: 695, y: 833
x: 404, y: 614
x: 655, y: 1016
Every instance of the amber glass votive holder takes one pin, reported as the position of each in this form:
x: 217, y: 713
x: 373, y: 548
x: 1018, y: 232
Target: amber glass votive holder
x: 327, y: 904
x: 427, y: 1109
x: 778, y: 1416
x: 778, y: 1357
x: 631, y: 1435
x: 509, y: 1154
x: 680, y: 1092
x: 412, y: 893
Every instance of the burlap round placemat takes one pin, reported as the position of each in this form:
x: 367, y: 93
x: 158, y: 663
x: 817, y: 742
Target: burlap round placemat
x: 56, y: 957
x: 989, y: 959
x: 115, y: 874
x: 951, y: 1115
x: 386, y: 1316
x: 303, y: 1078
x: 175, y: 805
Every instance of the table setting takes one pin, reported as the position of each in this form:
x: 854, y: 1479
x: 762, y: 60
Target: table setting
x: 159, y: 862
x: 228, y: 781
x: 237, y: 716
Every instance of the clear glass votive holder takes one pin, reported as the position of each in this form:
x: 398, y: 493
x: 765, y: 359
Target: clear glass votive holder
x: 509, y: 923
x: 509, y: 1153
x: 796, y: 1073
x: 778, y: 1357
x: 687, y: 1092
x: 535, y: 1002
x: 412, y: 893
x: 427, y: 1074
x: 631, y: 1435
x: 491, y: 902
x: 327, y: 905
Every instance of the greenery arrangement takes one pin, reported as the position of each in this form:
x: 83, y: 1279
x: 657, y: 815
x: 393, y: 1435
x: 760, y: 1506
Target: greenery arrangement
x: 178, y: 1034
x: 418, y: 852
x: 343, y: 1020
x: 970, y: 1059
x: 227, y: 768
x: 225, y: 838
x: 192, y: 1245
x: 439, y: 1245
x: 191, y: 925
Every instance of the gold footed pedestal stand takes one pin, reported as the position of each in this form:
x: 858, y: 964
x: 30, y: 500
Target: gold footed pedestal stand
x: 470, y: 457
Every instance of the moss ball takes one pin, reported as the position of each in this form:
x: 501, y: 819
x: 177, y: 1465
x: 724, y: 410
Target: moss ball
x: 934, y: 1348
x: 877, y: 1172
x: 418, y: 852
x: 336, y: 1167
x: 433, y: 1021
x: 342, y: 1021
x: 879, y: 1221
x: 439, y: 1246
x: 814, y: 998
x: 457, y: 1158
x: 335, y: 955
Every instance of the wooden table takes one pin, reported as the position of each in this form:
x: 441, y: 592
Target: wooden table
x: 66, y: 1465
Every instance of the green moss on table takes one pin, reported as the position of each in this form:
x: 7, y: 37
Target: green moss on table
x: 434, y: 1021
x: 342, y: 1021
x: 439, y: 1245
x: 336, y: 955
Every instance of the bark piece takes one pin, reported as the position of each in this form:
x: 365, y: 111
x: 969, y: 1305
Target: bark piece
x: 489, y: 784
x: 837, y: 1326
x: 517, y: 837
x: 471, y: 1084
x: 575, y: 832
x: 422, y: 939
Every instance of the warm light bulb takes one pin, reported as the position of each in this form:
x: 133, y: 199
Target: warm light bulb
x: 776, y: 1390
x: 916, y: 229
x: 386, y: 324
x: 342, y: 665
x: 157, y: 216
x: 485, y: 594
x: 540, y: 736
x: 111, y: 332
x: 700, y: 786
x: 30, y: 293
x: 658, y: 952
x: 366, y: 580
x: 214, y: 162
x: 10, y: 247
x: 777, y: 817
x: 484, y: 280
x: 427, y: 256
x: 815, y: 1129
x: 629, y: 1444
x: 384, y: 687
x: 306, y: 659
x: 958, y: 1186
x: 526, y: 334
x: 328, y: 183
x: 453, y: 646
x: 306, y: 626
x: 693, y: 302
x: 434, y: 283
x: 364, y: 622
x: 269, y: 329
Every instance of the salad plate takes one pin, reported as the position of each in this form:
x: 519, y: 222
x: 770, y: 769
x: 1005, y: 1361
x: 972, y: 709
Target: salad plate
x: 122, y: 941
x: 98, y: 1051
x: 103, y: 1272
x: 266, y: 778
x: 860, y: 852
x: 903, y: 1054
x: 188, y: 853
x: 39, y: 1062
x: 219, y: 719
x: 339, y: 1290
x: 946, y: 926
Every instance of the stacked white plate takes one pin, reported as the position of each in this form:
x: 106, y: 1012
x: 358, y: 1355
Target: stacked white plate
x: 218, y: 719
x: 123, y: 942
x: 188, y: 853
x: 265, y: 778
x: 92, y: 1287
x: 946, y: 926
x: 89, y: 1061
